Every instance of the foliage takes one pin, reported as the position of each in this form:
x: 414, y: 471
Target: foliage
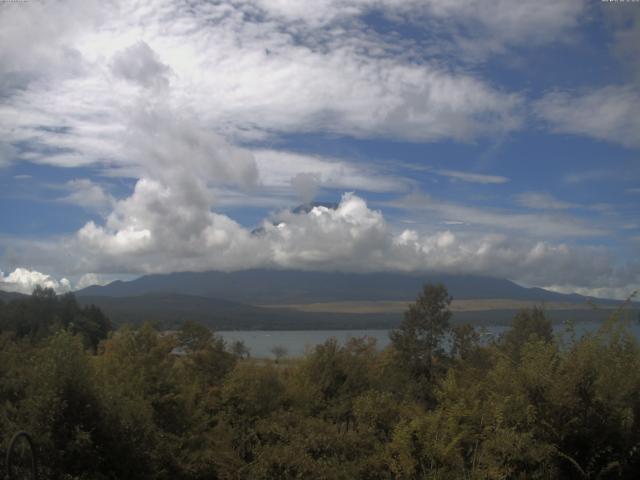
x: 145, y: 404
x: 44, y: 313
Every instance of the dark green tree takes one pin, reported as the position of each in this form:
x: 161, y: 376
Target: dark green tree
x: 528, y: 324
x: 464, y: 341
x: 418, y: 339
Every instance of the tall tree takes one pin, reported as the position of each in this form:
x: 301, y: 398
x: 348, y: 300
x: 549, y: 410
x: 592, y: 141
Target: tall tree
x: 528, y: 324
x: 417, y: 340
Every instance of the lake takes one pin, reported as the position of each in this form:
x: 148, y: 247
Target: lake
x: 260, y: 342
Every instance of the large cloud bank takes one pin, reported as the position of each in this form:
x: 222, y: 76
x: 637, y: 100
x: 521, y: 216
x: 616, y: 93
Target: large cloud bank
x: 160, y: 229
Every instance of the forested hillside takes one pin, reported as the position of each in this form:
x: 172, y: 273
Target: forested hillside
x: 528, y: 405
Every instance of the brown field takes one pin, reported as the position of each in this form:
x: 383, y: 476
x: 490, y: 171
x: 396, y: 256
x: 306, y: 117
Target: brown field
x: 476, y: 305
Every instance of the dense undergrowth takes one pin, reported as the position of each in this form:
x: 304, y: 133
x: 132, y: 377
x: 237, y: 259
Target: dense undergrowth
x: 527, y: 405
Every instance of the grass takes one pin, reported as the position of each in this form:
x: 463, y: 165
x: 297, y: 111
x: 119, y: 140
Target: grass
x: 472, y: 305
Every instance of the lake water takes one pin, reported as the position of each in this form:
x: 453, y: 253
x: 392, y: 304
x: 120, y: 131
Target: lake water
x: 296, y: 342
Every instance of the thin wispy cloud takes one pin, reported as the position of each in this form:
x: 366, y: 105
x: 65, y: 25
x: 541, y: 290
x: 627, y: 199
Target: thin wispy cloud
x: 534, y: 224
x: 472, y: 177
x: 542, y: 201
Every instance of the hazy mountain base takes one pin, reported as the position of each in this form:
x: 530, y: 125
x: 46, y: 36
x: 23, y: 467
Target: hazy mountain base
x: 171, y: 310
x: 168, y: 311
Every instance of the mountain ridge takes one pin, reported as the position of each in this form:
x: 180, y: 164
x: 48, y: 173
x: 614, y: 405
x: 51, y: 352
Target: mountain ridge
x: 272, y: 287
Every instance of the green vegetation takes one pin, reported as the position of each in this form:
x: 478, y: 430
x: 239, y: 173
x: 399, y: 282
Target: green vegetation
x: 139, y: 404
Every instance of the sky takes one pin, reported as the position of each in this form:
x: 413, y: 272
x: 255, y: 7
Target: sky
x: 461, y: 136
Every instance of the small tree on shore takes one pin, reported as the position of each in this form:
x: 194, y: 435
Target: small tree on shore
x: 279, y: 352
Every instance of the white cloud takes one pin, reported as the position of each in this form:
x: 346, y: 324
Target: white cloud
x: 278, y: 169
x: 174, y: 149
x: 231, y: 74
x: 306, y: 186
x: 159, y: 229
x: 87, y: 194
x: 23, y: 280
x: 625, y: 20
x: 474, y: 28
x: 542, y: 201
x: 164, y: 227
x: 472, y: 177
x: 611, y: 113
x: 140, y: 64
x: 7, y: 154
x: 622, y: 292
x: 89, y: 279
x: 588, y: 176
x: 38, y: 40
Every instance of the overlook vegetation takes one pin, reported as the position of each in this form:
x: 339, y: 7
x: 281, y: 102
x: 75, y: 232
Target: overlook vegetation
x: 130, y: 404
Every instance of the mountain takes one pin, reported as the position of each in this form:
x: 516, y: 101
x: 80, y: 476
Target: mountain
x: 300, y: 300
x: 258, y: 299
x: 281, y: 287
x: 8, y: 296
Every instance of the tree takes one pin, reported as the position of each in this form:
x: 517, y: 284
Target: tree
x: 279, y: 352
x: 464, y: 342
x: 425, y: 323
x: 207, y: 356
x: 194, y: 336
x: 528, y: 324
x: 240, y: 349
x: 45, y: 313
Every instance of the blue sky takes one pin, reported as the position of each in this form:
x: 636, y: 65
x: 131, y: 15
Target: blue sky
x: 462, y: 136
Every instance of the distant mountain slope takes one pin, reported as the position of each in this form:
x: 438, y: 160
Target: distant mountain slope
x: 170, y: 310
x: 272, y: 287
x: 8, y: 296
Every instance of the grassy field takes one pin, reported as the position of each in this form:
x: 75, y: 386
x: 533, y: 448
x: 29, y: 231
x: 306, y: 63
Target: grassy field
x: 475, y: 305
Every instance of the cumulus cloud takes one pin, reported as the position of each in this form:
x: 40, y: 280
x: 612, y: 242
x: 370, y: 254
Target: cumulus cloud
x: 23, y: 280
x: 163, y: 227
x: 159, y: 229
x: 87, y: 194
